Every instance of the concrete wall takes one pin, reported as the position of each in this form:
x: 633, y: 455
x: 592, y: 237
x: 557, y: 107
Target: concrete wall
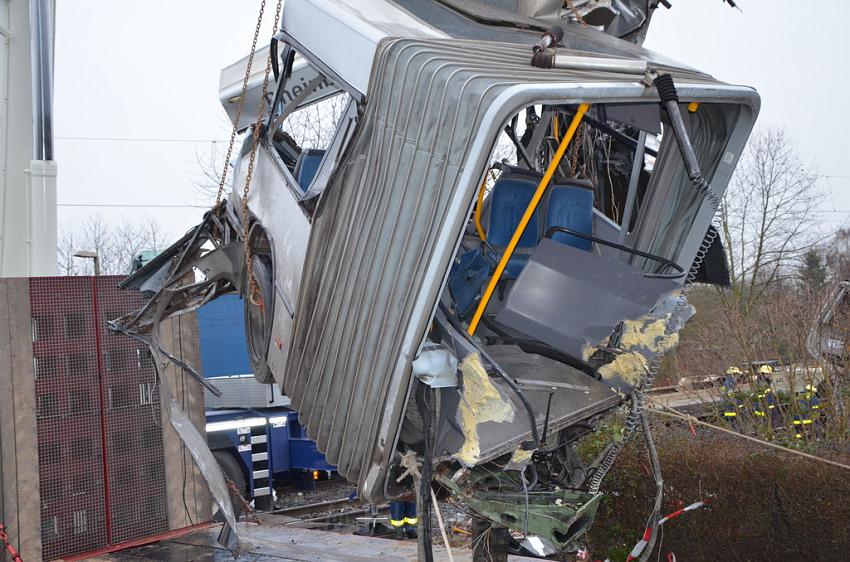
x: 19, y: 495
x: 183, y: 480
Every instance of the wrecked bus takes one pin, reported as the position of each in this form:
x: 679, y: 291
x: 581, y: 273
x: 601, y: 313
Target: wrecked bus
x: 483, y: 255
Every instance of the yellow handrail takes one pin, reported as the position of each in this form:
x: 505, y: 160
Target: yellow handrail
x: 532, y: 206
x: 479, y: 204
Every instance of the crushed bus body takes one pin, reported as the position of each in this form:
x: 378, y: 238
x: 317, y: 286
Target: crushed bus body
x: 486, y: 255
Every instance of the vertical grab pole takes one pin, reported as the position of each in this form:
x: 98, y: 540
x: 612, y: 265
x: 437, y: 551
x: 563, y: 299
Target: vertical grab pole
x: 532, y: 206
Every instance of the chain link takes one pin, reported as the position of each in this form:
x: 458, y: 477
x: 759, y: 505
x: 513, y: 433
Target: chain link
x: 251, y: 289
x: 241, y: 104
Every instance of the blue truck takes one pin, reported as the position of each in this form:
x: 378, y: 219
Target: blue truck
x: 255, y: 437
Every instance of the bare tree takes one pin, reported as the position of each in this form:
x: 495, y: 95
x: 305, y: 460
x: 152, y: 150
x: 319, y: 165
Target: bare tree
x: 116, y: 246
x: 312, y: 126
x: 66, y: 248
x: 838, y: 254
x: 768, y: 225
x: 768, y: 217
x: 208, y: 177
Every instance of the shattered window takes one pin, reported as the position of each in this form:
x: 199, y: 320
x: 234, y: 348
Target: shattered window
x: 307, y: 120
x: 313, y: 126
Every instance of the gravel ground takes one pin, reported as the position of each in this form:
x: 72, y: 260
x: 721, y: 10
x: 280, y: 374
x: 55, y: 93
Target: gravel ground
x: 456, y: 520
x: 326, y: 490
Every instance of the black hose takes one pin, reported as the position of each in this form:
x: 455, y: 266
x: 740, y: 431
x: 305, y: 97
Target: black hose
x: 425, y: 545
x: 680, y: 271
x: 273, y: 55
x: 510, y: 129
x: 534, y: 477
x: 538, y: 348
x: 278, y: 94
x: 666, y: 88
x: 670, y: 100
x: 551, y: 38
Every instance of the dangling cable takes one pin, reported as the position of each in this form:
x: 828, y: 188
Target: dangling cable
x: 425, y: 545
x: 655, y: 515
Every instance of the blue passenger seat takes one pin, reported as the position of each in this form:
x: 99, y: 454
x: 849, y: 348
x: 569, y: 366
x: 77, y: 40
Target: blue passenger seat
x: 307, y: 166
x: 511, y: 195
x: 570, y: 205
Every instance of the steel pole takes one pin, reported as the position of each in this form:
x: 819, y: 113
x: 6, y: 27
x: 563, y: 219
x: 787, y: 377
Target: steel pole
x: 41, y: 45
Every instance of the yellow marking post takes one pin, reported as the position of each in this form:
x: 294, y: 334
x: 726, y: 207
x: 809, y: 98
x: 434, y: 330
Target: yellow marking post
x: 693, y: 106
x: 532, y: 206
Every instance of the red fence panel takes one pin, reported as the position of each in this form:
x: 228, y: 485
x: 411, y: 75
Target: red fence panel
x: 101, y: 461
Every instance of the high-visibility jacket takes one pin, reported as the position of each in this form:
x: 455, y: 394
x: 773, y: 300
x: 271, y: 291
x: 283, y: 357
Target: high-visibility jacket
x: 802, y: 424
x: 731, y: 406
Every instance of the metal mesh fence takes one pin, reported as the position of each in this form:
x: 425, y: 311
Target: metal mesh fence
x: 101, y: 462
x: 134, y: 450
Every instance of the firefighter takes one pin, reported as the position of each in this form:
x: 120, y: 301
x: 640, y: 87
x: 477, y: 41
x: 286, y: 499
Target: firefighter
x: 403, y: 518
x: 766, y: 402
x: 765, y: 374
x: 808, y: 397
x: 813, y: 404
x: 731, y: 407
x: 810, y: 407
x: 730, y: 379
x: 802, y: 425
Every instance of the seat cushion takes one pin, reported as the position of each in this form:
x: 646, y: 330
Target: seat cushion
x: 307, y: 166
x: 510, y: 198
x: 570, y: 206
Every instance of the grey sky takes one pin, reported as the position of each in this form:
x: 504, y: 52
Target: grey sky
x: 149, y: 70
x: 796, y: 54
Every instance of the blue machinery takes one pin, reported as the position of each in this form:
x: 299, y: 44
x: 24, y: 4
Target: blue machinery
x: 255, y: 446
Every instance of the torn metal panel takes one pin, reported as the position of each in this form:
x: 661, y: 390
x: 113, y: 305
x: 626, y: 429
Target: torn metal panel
x: 630, y: 352
x: 197, y: 445
x: 572, y: 299
x: 560, y: 516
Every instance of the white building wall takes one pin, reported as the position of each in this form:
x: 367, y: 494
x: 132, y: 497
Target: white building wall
x: 17, y: 215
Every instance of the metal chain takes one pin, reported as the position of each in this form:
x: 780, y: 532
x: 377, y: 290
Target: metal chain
x: 239, y: 107
x: 251, y: 289
x: 246, y: 507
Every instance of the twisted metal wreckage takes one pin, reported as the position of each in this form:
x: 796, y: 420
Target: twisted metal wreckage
x: 418, y: 289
